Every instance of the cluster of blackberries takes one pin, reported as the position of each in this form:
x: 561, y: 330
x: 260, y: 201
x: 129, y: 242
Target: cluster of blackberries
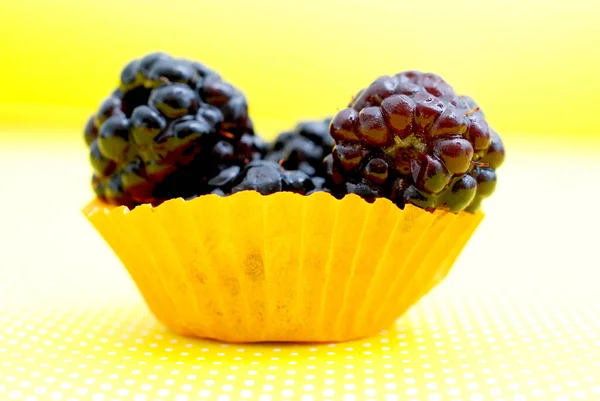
x: 175, y: 128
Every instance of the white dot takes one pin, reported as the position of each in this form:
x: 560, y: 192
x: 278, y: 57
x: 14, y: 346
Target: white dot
x: 390, y: 386
x: 370, y: 392
x: 81, y: 391
x: 122, y: 392
x: 56, y: 396
x: 204, y: 393
x: 434, y: 397
x: 369, y: 381
x: 246, y: 393
x: 163, y: 392
x: 307, y: 397
x: 308, y: 387
x: 349, y: 397
x: 146, y: 387
x: 412, y: 391
x: 287, y: 393
x: 329, y: 392
x: 139, y: 397
x: 227, y: 387
x: 538, y: 393
x: 223, y: 398
x: 288, y: 382
x: 98, y: 397
x: 265, y: 397
x: 268, y: 388
x: 14, y: 395
x: 349, y: 387
x: 181, y: 397
x: 477, y: 397
x: 40, y: 390
x: 431, y: 386
x: 392, y: 397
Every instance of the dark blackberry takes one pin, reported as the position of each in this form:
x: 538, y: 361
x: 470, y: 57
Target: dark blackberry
x: 170, y: 126
x: 304, y: 148
x: 263, y: 176
x: 411, y: 139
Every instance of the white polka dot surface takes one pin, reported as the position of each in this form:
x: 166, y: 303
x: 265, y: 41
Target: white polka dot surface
x: 518, y: 318
x: 446, y: 347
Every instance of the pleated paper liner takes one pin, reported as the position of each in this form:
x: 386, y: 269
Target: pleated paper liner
x: 283, y: 267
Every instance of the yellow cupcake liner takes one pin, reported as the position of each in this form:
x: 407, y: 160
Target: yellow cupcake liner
x: 282, y: 267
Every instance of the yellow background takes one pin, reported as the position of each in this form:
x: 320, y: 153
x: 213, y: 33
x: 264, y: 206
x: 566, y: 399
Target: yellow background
x: 518, y: 317
x: 531, y: 64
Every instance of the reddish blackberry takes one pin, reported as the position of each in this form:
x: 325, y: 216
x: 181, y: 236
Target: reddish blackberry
x: 170, y: 126
x: 304, y: 148
x: 411, y: 139
x: 263, y: 176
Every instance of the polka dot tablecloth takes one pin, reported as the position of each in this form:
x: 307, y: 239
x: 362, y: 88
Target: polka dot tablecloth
x: 518, y: 318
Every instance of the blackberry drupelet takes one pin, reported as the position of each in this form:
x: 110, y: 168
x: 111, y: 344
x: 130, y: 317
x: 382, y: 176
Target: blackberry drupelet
x: 411, y: 139
x: 304, y: 148
x: 265, y: 177
x: 169, y: 126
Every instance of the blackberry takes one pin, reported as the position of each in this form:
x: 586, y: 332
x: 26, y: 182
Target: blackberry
x: 412, y: 139
x: 304, y: 148
x: 169, y: 126
x: 263, y: 176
